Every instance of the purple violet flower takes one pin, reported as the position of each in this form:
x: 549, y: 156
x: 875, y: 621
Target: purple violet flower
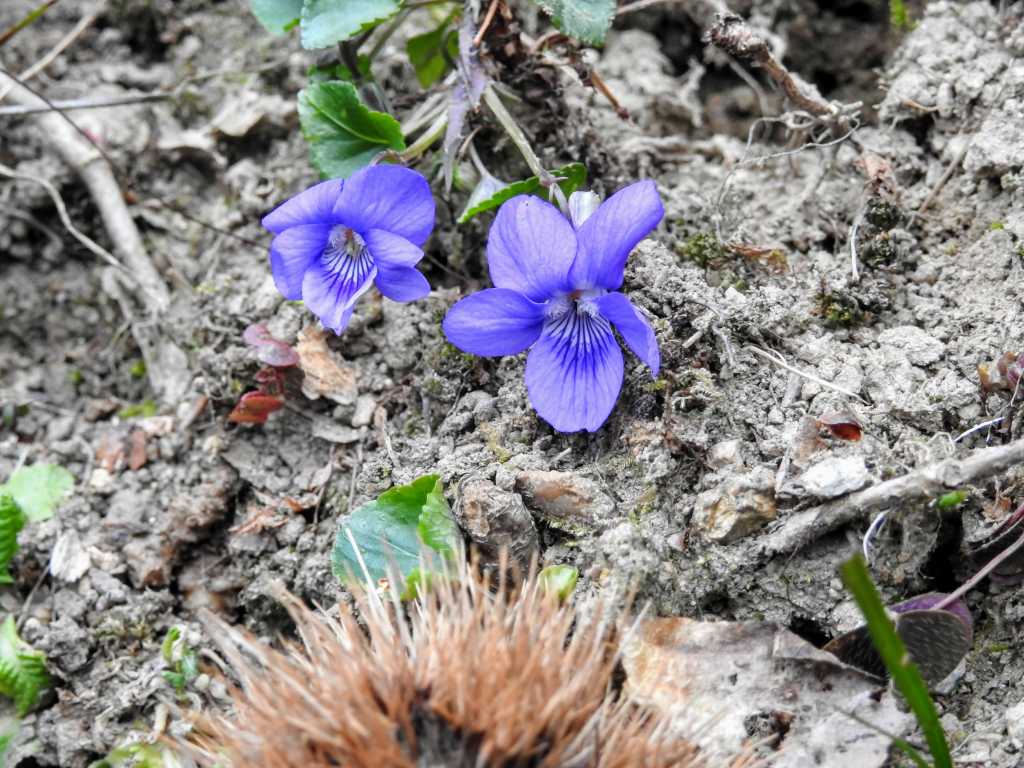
x: 336, y: 238
x: 556, y: 293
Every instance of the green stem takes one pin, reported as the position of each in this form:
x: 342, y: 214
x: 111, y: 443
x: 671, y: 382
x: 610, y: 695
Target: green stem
x: 387, y: 32
x: 30, y: 17
x: 513, y: 130
x: 427, y: 140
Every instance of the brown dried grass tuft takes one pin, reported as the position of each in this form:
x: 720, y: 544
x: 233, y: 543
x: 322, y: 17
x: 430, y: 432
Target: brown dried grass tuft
x: 463, y: 676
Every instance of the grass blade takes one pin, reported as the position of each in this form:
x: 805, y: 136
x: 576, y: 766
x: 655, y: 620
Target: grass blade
x: 854, y: 573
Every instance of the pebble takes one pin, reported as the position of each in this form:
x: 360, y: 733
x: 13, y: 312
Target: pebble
x: 497, y: 520
x: 834, y: 476
x: 1015, y: 721
x: 565, y: 500
x: 737, y: 507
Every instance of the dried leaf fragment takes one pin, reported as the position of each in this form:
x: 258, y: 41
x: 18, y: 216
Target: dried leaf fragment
x: 325, y: 375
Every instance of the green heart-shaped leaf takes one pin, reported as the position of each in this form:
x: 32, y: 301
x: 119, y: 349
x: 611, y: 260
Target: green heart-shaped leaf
x: 278, y: 16
x: 344, y: 135
x: 38, y: 489
x: 329, y: 22
x: 404, y: 530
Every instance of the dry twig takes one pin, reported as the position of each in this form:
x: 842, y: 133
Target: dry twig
x: 801, y: 528
x: 166, y: 363
x: 64, y: 136
x: 731, y: 33
x: 65, y: 219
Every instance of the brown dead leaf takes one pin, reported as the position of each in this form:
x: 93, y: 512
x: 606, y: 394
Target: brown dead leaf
x: 259, y: 519
x: 325, y: 374
x: 730, y: 683
x: 137, y: 450
x: 110, y: 453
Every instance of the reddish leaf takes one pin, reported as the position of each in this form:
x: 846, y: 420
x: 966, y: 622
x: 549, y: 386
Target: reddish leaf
x: 841, y: 424
x: 1003, y: 373
x: 254, y: 408
x: 269, y: 350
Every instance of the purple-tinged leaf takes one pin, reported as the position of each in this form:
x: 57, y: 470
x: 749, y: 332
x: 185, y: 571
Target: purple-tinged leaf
x: 465, y: 97
x: 935, y: 639
x: 930, y: 600
x: 269, y: 351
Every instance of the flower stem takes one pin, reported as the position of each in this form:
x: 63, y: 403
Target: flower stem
x: 513, y: 130
x: 387, y: 32
x: 424, y: 142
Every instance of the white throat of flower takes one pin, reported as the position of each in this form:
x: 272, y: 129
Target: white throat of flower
x: 343, y: 242
x: 581, y: 302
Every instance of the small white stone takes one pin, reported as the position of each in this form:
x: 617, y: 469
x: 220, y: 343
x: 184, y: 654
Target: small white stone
x: 833, y: 477
x: 1015, y: 722
x: 363, y: 415
x: 724, y: 454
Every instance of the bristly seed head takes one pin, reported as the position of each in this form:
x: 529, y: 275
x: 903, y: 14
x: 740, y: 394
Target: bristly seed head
x: 464, y: 677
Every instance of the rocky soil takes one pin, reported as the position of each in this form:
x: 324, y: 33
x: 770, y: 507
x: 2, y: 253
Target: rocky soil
x: 176, y: 510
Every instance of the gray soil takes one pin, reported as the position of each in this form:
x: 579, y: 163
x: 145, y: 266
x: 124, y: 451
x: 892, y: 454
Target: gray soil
x: 691, y: 472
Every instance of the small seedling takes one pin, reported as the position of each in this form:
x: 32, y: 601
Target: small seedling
x: 141, y: 754
x: 254, y: 407
x: 182, y: 660
x: 838, y: 310
x: 701, y: 249
x: 559, y: 581
x: 31, y: 494
x: 12, y: 520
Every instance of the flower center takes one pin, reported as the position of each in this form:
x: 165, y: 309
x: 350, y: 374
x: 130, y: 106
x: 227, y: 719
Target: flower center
x: 575, y: 321
x: 578, y: 302
x: 343, y: 243
x: 347, y: 261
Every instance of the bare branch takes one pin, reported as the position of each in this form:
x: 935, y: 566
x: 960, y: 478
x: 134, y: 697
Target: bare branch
x: 86, y: 160
x: 801, y: 528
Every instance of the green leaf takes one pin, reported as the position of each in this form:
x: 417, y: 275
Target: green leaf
x: 39, y: 489
x: 344, y: 135
x: 8, y: 732
x: 952, y: 499
x: 586, y: 20
x: 140, y: 755
x: 12, y: 520
x: 167, y: 647
x: 855, y: 576
x: 397, y: 534
x: 427, y: 53
x: 23, y: 673
x: 417, y: 583
x: 277, y: 16
x: 491, y: 193
x: 559, y: 580
x: 336, y: 71
x: 436, y: 528
x: 329, y: 22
